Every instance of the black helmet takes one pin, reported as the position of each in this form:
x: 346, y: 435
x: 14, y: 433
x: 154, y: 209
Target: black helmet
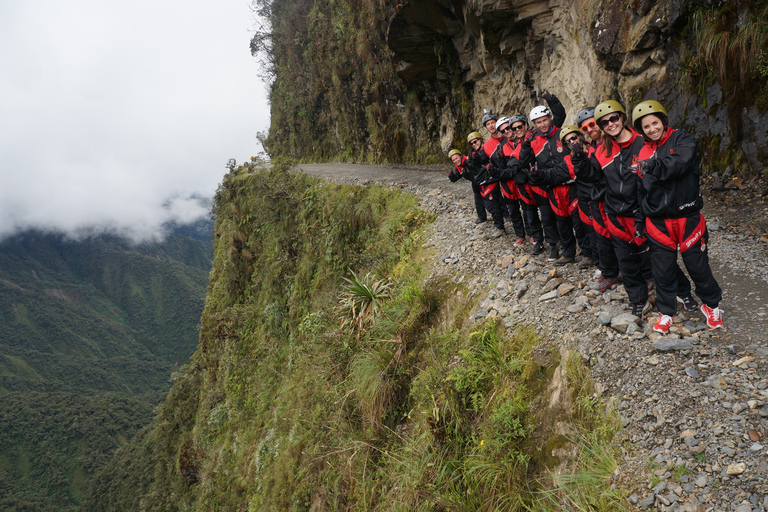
x: 487, y: 116
x: 514, y: 119
x: 585, y: 114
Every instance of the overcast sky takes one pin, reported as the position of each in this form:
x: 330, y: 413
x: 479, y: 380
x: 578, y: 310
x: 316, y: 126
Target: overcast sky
x: 109, y: 109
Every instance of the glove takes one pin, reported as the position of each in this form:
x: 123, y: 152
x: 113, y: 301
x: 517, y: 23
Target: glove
x: 454, y: 176
x: 545, y: 94
x: 644, y: 167
x: 529, y: 135
x: 577, y: 149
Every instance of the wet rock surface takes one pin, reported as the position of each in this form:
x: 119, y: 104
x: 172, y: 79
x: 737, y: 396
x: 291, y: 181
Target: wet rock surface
x: 693, y: 403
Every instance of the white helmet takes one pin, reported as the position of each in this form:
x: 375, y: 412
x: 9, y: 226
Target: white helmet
x: 501, y: 121
x: 539, y: 111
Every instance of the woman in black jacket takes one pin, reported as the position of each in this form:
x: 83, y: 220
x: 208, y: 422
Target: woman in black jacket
x: 671, y: 204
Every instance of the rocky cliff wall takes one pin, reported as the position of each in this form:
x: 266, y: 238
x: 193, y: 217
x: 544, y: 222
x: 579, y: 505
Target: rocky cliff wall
x: 586, y: 51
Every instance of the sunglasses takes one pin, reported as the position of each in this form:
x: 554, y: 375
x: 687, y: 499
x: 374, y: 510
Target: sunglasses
x: 506, y: 129
x: 571, y: 140
x: 518, y: 127
x: 611, y: 120
x: 478, y: 141
x: 589, y: 126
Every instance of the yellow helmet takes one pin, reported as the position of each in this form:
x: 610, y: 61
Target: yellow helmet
x: 608, y: 107
x: 643, y: 109
x: 453, y: 152
x: 474, y: 135
x: 565, y: 130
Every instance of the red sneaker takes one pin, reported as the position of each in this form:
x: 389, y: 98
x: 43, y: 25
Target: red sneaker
x: 606, y: 283
x: 520, y: 241
x: 714, y: 316
x: 662, y: 324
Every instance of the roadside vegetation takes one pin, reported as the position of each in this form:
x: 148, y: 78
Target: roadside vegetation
x: 335, y: 374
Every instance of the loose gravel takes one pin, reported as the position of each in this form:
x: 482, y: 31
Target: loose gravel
x: 693, y: 403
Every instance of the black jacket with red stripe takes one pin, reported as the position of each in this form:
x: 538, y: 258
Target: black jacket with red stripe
x: 614, y: 174
x: 478, y: 162
x: 462, y: 171
x: 670, y: 185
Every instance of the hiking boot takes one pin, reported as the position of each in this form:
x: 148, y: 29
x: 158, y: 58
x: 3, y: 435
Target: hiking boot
x: 598, y: 275
x: 497, y: 233
x: 586, y: 262
x: 564, y: 260
x: 688, y: 302
x: 538, y: 248
x: 605, y: 284
x: 480, y: 221
x: 650, y: 284
x: 640, y: 309
x: 554, y: 253
x: 519, y: 241
x: 663, y: 324
x: 714, y: 316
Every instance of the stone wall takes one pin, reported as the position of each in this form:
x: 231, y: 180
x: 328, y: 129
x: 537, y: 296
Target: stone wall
x: 584, y: 51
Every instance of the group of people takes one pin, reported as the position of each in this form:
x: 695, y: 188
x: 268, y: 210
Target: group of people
x: 626, y: 191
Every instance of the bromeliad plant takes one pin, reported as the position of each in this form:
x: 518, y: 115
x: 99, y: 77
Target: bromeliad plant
x: 361, y: 301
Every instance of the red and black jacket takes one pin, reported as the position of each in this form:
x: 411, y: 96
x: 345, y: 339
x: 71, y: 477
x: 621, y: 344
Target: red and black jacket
x: 483, y: 175
x: 614, y: 178
x: 548, y: 152
x: 670, y: 185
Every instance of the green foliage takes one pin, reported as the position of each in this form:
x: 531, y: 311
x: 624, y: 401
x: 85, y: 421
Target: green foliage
x: 280, y: 409
x: 92, y: 330
x: 727, y: 45
x: 54, y: 442
x: 361, y: 300
x: 334, y: 91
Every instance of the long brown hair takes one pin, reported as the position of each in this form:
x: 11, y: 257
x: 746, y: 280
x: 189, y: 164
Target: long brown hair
x: 607, y: 140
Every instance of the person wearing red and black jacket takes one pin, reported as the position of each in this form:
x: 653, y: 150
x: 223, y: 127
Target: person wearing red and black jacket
x: 461, y: 170
x: 593, y: 208
x: 509, y: 189
x: 671, y: 204
x: 565, y: 193
x: 547, y: 152
x: 478, y: 162
x: 612, y: 165
x: 517, y: 169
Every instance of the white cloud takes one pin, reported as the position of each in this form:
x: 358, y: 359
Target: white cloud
x: 108, y: 110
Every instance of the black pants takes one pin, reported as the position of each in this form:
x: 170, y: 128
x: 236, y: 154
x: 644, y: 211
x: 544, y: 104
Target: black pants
x: 495, y: 205
x: 532, y: 222
x: 479, y: 203
x: 548, y: 221
x: 606, y: 254
x: 690, y: 234
x: 582, y: 230
x: 513, y: 208
x: 633, y: 257
x: 565, y: 232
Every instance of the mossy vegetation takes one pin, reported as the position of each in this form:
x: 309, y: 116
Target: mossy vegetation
x: 314, y: 392
x: 334, y: 91
x: 728, y: 45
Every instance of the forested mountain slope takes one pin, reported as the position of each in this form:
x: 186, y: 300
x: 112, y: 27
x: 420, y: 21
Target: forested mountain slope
x: 91, y: 331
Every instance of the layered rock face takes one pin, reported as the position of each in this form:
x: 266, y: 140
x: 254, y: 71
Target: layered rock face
x: 583, y: 51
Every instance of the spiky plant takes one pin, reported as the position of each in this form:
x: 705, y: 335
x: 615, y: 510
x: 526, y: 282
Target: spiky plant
x: 361, y: 300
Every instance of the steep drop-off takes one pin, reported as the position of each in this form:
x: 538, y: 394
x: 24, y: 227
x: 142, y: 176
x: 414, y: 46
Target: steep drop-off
x: 405, y: 80
x: 90, y: 333
x: 334, y: 373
